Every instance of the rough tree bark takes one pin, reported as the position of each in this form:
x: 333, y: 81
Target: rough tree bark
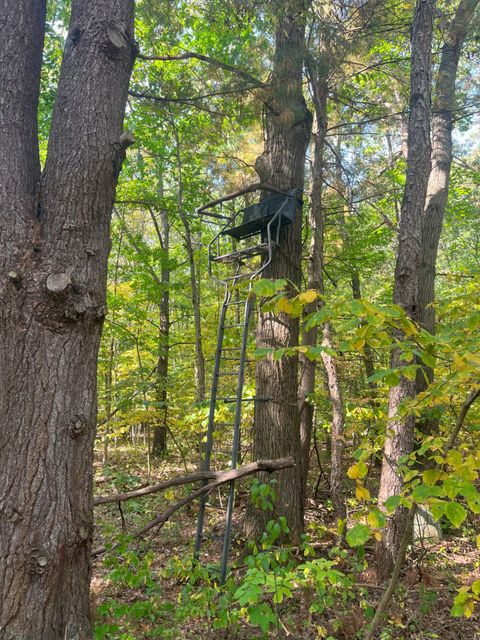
x: 288, y: 126
x: 399, y: 437
x: 54, y: 239
x: 442, y: 125
x: 438, y: 183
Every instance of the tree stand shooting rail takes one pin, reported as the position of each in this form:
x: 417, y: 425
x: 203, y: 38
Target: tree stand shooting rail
x: 261, y: 221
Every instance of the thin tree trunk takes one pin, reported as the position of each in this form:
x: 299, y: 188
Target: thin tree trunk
x: 108, y: 397
x: 159, y: 444
x: 54, y: 240
x: 194, y: 283
x: 399, y: 437
x: 318, y: 74
x: 288, y: 125
x: 109, y: 377
x: 338, y: 424
x: 342, y: 189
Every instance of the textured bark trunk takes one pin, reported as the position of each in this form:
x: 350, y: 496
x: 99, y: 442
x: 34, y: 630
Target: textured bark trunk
x: 438, y: 183
x: 442, y: 125
x: 338, y: 424
x: 318, y: 74
x: 54, y: 239
x: 288, y: 126
x: 159, y: 445
x: 399, y: 438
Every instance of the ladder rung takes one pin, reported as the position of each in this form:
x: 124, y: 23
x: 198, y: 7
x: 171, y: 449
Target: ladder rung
x: 233, y: 326
x: 224, y: 424
x: 237, y: 256
x: 233, y: 399
x: 228, y: 373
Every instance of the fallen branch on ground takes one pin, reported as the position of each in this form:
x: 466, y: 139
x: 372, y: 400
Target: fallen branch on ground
x: 218, y: 477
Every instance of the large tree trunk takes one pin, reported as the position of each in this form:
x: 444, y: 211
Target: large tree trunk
x: 399, y: 437
x: 442, y: 125
x: 54, y: 239
x: 438, y: 183
x: 288, y: 125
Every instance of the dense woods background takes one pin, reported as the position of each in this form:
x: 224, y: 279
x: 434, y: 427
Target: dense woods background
x: 364, y: 343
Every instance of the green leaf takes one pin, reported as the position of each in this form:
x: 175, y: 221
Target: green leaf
x: 376, y: 519
x: 262, y: 616
x: 261, y: 352
x: 437, y: 508
x: 392, y: 502
x: 422, y: 492
x: 456, y: 513
x: 267, y: 288
x: 358, y: 535
x: 476, y: 587
x: 410, y: 474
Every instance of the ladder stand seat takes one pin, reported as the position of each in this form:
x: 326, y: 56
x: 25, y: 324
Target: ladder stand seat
x: 257, y: 216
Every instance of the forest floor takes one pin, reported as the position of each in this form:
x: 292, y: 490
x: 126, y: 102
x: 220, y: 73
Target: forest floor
x: 140, y: 590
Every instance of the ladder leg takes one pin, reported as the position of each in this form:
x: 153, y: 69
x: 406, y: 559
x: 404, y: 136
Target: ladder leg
x: 236, y: 437
x: 211, y: 418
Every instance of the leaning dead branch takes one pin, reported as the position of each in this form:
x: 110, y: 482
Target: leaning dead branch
x: 218, y: 477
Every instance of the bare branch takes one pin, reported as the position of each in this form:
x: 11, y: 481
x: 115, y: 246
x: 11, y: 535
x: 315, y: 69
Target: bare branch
x: 217, y: 476
x: 256, y: 186
x: 189, y: 55
x: 220, y: 477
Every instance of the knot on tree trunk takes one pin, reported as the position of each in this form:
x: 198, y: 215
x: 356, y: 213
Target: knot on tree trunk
x: 78, y: 426
x: 38, y: 562
x: 117, y: 44
x: 68, y: 301
x: 59, y: 283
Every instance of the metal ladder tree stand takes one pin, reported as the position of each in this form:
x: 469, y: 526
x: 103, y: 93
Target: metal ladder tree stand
x: 254, y: 232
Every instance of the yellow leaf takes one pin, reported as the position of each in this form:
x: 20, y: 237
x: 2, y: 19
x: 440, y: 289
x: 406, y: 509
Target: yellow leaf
x: 469, y: 608
x: 362, y: 493
x: 372, y: 519
x: 358, y: 344
x: 430, y: 476
x: 284, y: 305
x: 377, y: 535
x: 357, y: 471
x: 454, y: 458
x: 478, y: 541
x: 308, y: 296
